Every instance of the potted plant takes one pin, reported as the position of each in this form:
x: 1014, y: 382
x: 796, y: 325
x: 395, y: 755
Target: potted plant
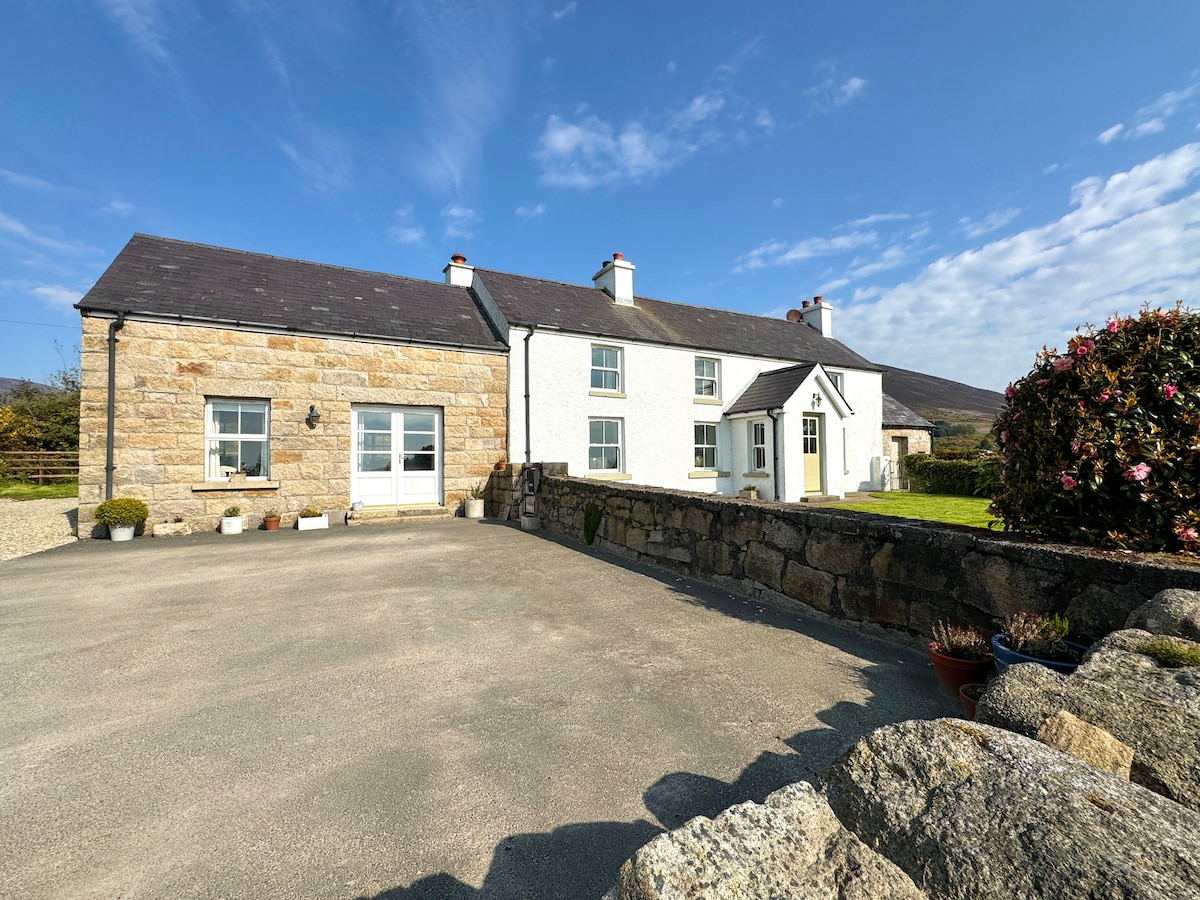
x: 122, y: 515
x: 1033, y: 637
x: 311, y: 519
x: 501, y: 465
x: 231, y: 520
x: 959, y: 654
x: 748, y: 492
x: 968, y: 696
x: 271, y: 520
x: 474, y: 503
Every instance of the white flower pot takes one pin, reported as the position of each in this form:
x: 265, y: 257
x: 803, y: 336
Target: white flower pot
x: 313, y: 523
x: 121, y: 532
x: 474, y: 508
x: 231, y: 524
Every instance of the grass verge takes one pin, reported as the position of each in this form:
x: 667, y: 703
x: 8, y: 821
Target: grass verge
x: 952, y: 510
x: 24, y: 490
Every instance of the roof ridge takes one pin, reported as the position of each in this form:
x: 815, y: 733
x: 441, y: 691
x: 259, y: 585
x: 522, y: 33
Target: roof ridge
x: 292, y: 259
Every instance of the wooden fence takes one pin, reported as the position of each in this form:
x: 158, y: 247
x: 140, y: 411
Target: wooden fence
x: 40, y: 466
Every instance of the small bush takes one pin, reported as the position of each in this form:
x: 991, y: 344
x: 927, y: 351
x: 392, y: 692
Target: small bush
x: 1101, y: 444
x: 591, y: 521
x: 1171, y: 654
x: 310, y: 512
x: 1033, y: 634
x: 122, y: 511
x: 960, y: 641
x: 232, y: 511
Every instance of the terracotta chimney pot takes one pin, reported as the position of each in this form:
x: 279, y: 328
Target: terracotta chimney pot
x: 806, y: 304
x: 618, y: 256
x: 816, y: 300
x: 458, y: 258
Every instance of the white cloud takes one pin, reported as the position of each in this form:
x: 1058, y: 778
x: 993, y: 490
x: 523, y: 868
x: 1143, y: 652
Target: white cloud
x: 591, y: 152
x: 404, y: 229
x: 980, y: 316
x: 833, y: 90
x: 56, y: 296
x: 559, y: 14
x: 1152, y: 119
x: 25, y: 181
x: 876, y: 218
x: 991, y: 222
x: 852, y: 88
x: 764, y: 120
x: 459, y: 221
x: 29, y: 236
x: 781, y: 253
x: 833, y: 285
x: 531, y: 212
x: 671, y: 66
x: 321, y: 157
x: 142, y: 22
x: 777, y: 202
x: 117, y: 208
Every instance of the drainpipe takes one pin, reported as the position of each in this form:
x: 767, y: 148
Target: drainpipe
x: 113, y: 327
x: 528, y: 451
x: 775, y: 451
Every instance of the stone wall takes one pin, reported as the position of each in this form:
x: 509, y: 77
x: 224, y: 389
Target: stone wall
x: 165, y: 373
x: 898, y: 573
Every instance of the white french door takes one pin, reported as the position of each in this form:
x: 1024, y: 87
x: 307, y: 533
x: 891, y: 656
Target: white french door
x: 397, y: 455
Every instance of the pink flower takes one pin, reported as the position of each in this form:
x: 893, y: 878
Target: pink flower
x: 1042, y: 382
x: 1115, y: 324
x: 1074, y: 446
x: 1016, y: 417
x: 1063, y: 364
x: 1140, y: 472
x: 1187, y: 535
x: 1068, y: 483
x: 1004, y: 437
x: 1169, y: 391
x: 1085, y: 346
x: 1105, y: 396
x: 1009, y: 391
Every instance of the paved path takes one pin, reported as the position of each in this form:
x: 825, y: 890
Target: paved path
x: 31, y: 526
x: 457, y: 710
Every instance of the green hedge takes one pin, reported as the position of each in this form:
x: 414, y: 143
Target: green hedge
x: 962, y: 477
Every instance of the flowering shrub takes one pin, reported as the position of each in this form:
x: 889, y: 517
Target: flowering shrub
x: 1101, y: 444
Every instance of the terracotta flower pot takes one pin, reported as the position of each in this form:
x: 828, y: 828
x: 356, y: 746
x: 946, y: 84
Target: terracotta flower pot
x: 968, y: 702
x: 953, y: 673
x: 271, y: 523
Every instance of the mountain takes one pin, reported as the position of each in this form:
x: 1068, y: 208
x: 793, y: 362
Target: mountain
x: 927, y: 393
x: 7, y: 384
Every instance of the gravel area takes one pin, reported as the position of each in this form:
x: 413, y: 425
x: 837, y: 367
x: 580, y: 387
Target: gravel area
x: 31, y: 526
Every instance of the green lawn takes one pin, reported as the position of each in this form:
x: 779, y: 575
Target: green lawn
x: 932, y: 507
x: 23, y: 490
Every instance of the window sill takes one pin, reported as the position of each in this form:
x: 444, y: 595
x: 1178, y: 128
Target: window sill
x: 756, y: 474
x: 609, y: 476
x: 708, y: 401
x: 235, y: 486
x: 707, y: 473
x: 615, y: 394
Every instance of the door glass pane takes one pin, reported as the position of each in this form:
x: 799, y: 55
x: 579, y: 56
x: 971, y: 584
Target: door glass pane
x: 380, y: 443
x: 374, y: 462
x: 415, y: 442
x: 374, y: 421
x: 418, y: 462
x: 418, y: 422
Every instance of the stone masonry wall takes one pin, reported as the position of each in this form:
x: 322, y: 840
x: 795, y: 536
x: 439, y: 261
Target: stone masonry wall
x: 165, y: 373
x: 898, y: 573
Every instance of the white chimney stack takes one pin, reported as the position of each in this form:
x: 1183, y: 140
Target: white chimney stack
x: 819, y: 315
x: 616, y: 279
x: 458, y: 273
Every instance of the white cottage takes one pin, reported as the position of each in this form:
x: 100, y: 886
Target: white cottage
x: 622, y: 387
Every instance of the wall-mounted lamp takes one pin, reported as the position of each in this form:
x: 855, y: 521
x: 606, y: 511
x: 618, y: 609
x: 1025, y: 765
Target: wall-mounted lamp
x: 816, y: 401
x: 313, y: 416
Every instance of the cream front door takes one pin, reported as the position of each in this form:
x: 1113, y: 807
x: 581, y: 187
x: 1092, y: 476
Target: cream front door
x: 397, y: 455
x: 812, y: 454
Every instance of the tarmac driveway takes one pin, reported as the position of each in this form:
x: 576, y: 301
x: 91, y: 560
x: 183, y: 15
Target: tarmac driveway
x: 456, y: 710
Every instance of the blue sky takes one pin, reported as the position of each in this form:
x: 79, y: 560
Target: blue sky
x: 964, y: 182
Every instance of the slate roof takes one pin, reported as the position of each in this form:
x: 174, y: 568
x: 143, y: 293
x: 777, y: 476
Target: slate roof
x: 180, y: 280
x: 897, y: 415
x: 588, y: 310
x: 770, y: 390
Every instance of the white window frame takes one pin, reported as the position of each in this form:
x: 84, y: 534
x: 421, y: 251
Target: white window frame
x: 702, y: 447
x: 614, y: 371
x: 703, y: 379
x: 618, y: 444
x: 839, y: 381
x: 758, y: 448
x: 213, y: 470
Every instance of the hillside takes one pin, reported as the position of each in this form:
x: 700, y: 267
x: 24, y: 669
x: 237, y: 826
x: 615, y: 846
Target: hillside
x: 927, y: 392
x: 7, y: 384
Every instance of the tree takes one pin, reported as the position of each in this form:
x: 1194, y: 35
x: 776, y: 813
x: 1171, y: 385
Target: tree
x: 34, y: 418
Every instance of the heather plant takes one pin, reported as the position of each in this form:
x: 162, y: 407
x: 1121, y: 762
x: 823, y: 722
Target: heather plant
x: 1101, y: 444
x: 1033, y: 634
x: 960, y: 641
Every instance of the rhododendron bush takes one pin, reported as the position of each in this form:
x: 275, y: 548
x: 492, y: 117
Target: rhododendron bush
x: 1101, y: 444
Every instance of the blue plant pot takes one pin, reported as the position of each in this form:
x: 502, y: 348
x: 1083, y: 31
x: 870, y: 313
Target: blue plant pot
x: 1006, y: 657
